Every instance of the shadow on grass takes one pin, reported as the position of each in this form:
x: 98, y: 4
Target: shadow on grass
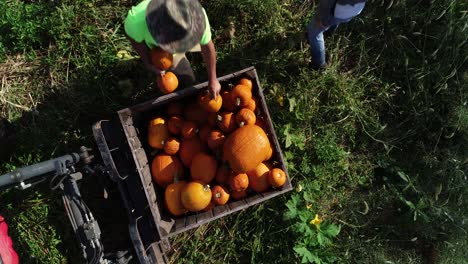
x: 59, y: 125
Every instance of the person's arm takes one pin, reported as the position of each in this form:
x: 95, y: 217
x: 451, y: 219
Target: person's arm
x: 145, y: 56
x: 209, y: 56
x: 324, y: 12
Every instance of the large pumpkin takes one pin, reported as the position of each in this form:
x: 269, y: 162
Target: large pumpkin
x: 172, y: 198
x: 189, y: 148
x: 165, y: 168
x: 203, y: 167
x: 157, y: 133
x: 161, y: 58
x: 196, y: 196
x: 245, y: 148
x: 168, y: 82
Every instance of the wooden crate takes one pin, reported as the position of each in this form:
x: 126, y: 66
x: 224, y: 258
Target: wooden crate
x: 135, y: 120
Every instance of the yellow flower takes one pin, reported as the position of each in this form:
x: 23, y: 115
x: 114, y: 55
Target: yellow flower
x: 308, y: 206
x: 280, y: 100
x: 316, y: 221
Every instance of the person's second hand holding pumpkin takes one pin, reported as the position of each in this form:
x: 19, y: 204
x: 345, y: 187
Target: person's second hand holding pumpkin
x: 176, y: 27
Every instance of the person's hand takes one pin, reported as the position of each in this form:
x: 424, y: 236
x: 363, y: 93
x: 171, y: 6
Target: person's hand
x: 214, y: 87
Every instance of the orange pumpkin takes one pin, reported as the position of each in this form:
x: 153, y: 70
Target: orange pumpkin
x: 209, y: 104
x: 226, y: 122
x: 195, y: 196
x: 245, y: 117
x: 239, y: 195
x: 172, y: 198
x: 171, y: 147
x: 189, y: 129
x: 223, y: 174
x: 188, y: 149
x: 165, y: 168
x: 168, y: 82
x: 219, y: 195
x: 161, y: 58
x: 251, y: 105
x: 258, y: 178
x: 157, y: 132
x: 174, y: 124
x: 277, y: 177
x: 239, y: 182
x: 246, y: 82
x: 228, y: 104
x: 240, y: 95
x: 204, y: 132
x: 175, y: 109
x: 215, y: 140
x: 203, y: 167
x: 194, y: 112
x: 245, y: 148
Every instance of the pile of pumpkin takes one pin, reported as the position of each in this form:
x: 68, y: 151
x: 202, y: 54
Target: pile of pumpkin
x: 221, y: 142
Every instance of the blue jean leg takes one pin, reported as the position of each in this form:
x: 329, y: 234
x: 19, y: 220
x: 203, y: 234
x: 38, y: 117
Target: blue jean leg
x: 317, y: 42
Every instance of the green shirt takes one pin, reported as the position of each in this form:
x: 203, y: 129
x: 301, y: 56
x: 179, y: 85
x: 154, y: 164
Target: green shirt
x: 136, y: 28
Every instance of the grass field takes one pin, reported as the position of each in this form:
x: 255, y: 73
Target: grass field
x: 376, y: 144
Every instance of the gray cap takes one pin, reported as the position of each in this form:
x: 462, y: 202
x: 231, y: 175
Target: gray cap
x: 176, y: 25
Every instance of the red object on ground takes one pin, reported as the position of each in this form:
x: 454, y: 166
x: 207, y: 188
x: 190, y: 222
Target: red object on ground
x: 7, y: 253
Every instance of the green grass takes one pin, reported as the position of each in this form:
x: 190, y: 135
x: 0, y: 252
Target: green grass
x: 376, y: 144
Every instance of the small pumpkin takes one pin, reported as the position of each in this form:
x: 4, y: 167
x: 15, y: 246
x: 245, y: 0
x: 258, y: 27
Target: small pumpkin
x: 226, y: 122
x: 172, y: 145
x: 168, y: 82
x: 165, y: 168
x: 203, y: 167
x: 194, y: 112
x: 239, y: 182
x: 245, y: 148
x: 209, y: 104
x: 251, y: 105
x: 246, y: 82
x: 157, y: 132
x: 216, y: 140
x: 161, y: 58
x: 195, y: 196
x: 228, y: 104
x: 219, y: 195
x: 175, y: 109
x: 189, y: 129
x: 245, y: 117
x: 172, y: 198
x: 239, y: 195
x: 240, y: 95
x: 223, y: 174
x: 204, y: 132
x: 258, y: 178
x: 277, y: 177
x: 189, y: 148
x: 174, y: 124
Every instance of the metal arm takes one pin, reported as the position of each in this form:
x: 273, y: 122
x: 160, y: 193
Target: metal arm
x: 19, y: 176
